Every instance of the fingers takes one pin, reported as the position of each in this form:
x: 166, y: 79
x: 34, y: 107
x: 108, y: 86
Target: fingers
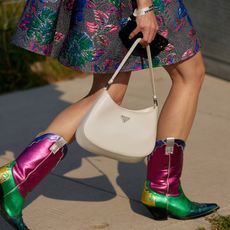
x: 134, y: 32
x: 148, y: 26
x: 148, y: 36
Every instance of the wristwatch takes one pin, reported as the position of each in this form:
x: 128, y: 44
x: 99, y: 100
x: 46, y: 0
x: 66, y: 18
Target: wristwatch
x: 142, y: 11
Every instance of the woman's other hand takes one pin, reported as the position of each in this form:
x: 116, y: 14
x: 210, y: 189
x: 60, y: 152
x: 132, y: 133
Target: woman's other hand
x: 147, y: 24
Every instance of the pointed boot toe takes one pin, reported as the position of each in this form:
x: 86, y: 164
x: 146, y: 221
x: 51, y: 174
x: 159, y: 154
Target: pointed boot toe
x: 20, y: 225
x: 203, y: 209
x: 163, y: 194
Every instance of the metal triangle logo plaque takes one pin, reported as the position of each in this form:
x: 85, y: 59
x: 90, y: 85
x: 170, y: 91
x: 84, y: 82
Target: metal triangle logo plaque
x: 124, y: 118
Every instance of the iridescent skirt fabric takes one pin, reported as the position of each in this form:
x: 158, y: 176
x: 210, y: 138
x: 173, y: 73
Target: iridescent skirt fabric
x: 83, y: 34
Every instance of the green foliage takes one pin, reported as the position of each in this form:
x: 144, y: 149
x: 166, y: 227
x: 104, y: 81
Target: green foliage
x: 21, y: 69
x: 218, y: 222
x: 15, y: 71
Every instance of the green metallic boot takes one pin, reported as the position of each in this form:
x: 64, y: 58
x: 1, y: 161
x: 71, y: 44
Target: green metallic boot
x: 22, y: 175
x: 163, y: 194
x: 11, y: 202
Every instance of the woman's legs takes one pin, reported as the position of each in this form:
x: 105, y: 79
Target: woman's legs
x: 163, y: 194
x: 179, y: 109
x: 47, y: 150
x: 67, y: 122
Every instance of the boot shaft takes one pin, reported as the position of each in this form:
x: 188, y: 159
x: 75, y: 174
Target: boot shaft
x: 37, y: 160
x: 165, y: 166
x: 23, y: 174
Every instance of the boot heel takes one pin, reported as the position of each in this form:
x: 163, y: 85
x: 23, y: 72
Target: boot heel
x: 158, y: 213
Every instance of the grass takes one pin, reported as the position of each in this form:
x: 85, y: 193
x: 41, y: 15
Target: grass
x: 21, y: 69
x: 217, y: 222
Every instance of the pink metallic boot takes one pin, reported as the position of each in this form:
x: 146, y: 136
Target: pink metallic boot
x: 22, y: 175
x: 163, y: 194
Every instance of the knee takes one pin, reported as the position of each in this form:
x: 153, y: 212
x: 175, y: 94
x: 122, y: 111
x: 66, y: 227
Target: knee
x: 117, y: 98
x: 91, y: 97
x: 116, y: 94
x: 193, y: 77
x: 199, y: 75
x: 116, y: 90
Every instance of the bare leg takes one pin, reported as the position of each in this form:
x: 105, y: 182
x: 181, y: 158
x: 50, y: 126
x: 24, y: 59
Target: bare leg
x: 46, y: 151
x: 163, y: 194
x: 179, y: 110
x: 66, y: 123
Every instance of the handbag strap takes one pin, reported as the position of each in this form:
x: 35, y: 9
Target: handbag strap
x: 155, y: 102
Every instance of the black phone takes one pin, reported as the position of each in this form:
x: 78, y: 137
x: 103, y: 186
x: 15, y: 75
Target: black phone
x: 157, y: 45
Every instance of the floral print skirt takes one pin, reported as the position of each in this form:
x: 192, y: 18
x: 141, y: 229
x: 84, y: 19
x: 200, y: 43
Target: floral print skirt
x: 83, y: 34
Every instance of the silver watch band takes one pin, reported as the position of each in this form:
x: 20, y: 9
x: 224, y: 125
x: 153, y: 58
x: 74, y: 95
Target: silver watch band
x: 142, y: 11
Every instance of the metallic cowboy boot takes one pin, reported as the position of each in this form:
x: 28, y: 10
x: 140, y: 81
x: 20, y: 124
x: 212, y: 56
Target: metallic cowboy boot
x: 163, y: 194
x: 22, y: 175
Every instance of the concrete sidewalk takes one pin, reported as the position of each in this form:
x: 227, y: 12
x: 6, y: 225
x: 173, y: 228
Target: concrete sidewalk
x: 89, y: 192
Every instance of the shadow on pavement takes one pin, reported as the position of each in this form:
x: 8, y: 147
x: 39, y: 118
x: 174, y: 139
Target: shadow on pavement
x: 22, y: 116
x: 131, y: 180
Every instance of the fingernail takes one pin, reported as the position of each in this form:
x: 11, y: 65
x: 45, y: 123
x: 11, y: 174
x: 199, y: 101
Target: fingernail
x: 130, y: 37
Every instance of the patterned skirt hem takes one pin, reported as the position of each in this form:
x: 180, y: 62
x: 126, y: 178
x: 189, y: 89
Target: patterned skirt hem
x: 90, y: 70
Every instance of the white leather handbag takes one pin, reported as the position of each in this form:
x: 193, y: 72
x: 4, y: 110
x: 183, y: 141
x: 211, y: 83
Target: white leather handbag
x: 113, y: 131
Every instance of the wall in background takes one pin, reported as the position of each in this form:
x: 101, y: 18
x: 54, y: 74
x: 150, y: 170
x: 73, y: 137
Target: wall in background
x: 212, y: 21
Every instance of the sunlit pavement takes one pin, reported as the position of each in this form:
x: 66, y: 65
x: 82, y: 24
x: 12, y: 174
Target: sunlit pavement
x: 91, y: 192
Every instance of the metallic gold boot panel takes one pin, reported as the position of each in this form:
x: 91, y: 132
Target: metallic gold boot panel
x: 147, y: 197
x: 179, y: 207
x: 11, y: 199
x: 4, y: 173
